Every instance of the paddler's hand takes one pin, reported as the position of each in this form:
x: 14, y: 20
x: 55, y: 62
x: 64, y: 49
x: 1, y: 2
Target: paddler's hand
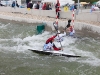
x: 60, y: 48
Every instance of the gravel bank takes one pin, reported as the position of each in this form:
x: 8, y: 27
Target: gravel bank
x: 42, y: 18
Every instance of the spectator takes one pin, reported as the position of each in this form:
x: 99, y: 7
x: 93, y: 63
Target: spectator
x: 57, y: 12
x: 44, y: 6
x: 47, y: 6
x: 75, y: 6
x: 50, y: 8
x: 92, y: 8
x: 85, y: 6
x: 37, y: 5
x: 15, y: 4
x: 27, y: 1
x: 34, y: 6
x: 40, y: 6
x: 58, y: 4
x: 30, y: 5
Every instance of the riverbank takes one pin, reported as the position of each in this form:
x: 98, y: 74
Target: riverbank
x: 80, y: 24
x: 16, y: 59
x: 43, y: 18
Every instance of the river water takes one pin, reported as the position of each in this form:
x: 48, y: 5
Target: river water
x: 15, y: 58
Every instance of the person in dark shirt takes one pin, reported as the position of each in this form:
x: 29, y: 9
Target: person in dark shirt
x: 15, y: 3
x: 75, y: 6
x: 30, y: 5
x: 57, y: 12
x: 37, y: 5
x: 68, y: 25
x: 47, y: 7
x: 27, y: 1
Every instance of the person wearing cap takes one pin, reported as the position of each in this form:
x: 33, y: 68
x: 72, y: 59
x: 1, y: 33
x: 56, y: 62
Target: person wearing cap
x: 49, y: 45
x: 59, y: 37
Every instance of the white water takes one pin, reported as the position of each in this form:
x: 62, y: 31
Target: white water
x: 70, y: 45
x: 17, y: 38
x: 37, y: 42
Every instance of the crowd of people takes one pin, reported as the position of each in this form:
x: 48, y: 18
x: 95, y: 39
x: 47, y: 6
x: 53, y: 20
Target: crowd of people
x: 44, y: 6
x: 39, y: 5
x: 14, y: 3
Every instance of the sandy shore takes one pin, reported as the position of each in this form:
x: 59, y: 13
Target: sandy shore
x: 44, y: 18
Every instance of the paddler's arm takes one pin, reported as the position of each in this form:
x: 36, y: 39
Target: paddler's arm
x: 55, y: 48
x: 50, y: 39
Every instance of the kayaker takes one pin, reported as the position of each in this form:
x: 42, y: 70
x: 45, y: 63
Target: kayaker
x: 49, y: 45
x: 68, y: 25
x: 59, y: 37
x: 70, y: 28
x: 71, y: 31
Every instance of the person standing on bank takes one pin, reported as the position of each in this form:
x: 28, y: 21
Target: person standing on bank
x: 30, y: 5
x: 27, y: 1
x: 14, y: 3
x: 57, y: 12
x: 57, y: 7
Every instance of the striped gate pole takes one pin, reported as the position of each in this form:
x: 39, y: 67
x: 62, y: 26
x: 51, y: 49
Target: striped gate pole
x: 73, y: 17
x: 57, y: 21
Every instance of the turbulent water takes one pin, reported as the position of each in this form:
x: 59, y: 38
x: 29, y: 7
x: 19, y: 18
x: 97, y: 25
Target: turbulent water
x: 15, y: 59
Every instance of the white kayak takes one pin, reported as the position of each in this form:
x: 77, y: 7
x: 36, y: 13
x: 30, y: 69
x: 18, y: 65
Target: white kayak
x: 54, y: 53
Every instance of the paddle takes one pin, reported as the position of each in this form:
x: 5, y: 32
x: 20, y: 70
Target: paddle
x: 61, y: 44
x: 56, y: 28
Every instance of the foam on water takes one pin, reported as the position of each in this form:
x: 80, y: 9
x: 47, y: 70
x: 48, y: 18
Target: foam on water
x: 37, y: 41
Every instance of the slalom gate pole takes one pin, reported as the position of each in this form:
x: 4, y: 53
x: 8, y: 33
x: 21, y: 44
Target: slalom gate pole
x: 73, y: 17
x: 58, y: 35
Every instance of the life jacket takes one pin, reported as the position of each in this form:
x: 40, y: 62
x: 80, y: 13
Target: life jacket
x: 72, y: 31
x: 50, y: 39
x: 71, y: 28
x: 48, y: 46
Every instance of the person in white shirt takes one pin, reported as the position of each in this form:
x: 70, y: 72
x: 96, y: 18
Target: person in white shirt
x: 34, y: 6
x: 40, y: 6
x: 59, y: 37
